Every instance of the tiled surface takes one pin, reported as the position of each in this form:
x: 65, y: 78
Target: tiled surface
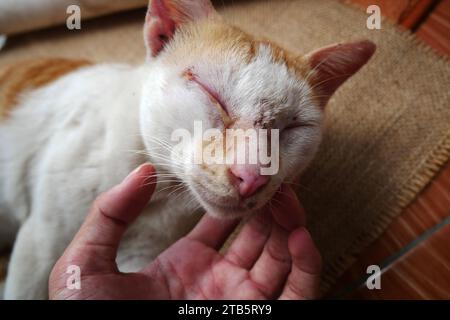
x: 427, y: 211
x: 415, y: 248
x: 423, y: 273
x: 407, y: 13
x: 436, y: 29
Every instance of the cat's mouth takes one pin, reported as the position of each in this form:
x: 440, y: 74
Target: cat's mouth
x: 217, y: 205
x: 223, y: 207
x: 227, y: 211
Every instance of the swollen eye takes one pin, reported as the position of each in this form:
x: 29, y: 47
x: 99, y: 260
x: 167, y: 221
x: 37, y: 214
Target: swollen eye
x: 213, y: 97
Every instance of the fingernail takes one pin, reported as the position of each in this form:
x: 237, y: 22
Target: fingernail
x: 135, y: 171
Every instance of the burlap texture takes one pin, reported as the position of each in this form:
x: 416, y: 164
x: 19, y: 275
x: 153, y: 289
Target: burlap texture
x: 387, y: 129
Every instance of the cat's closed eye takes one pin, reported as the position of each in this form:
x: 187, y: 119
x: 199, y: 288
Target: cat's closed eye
x: 299, y: 124
x: 212, y: 95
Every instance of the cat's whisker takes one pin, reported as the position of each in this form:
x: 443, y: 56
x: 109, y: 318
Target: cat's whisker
x: 159, y: 182
x: 150, y: 153
x: 285, y: 194
x: 166, y: 146
x: 194, y: 200
x: 145, y: 152
x: 165, y: 157
x: 313, y: 70
x: 156, y: 155
x: 181, y: 193
x: 163, y: 169
x: 277, y: 201
x: 271, y: 208
x: 313, y: 97
x: 158, y: 176
x: 164, y: 174
x: 176, y: 189
x: 178, y: 176
x: 159, y: 141
x: 329, y: 79
x: 311, y: 73
x: 299, y: 185
x: 168, y: 187
x: 168, y: 163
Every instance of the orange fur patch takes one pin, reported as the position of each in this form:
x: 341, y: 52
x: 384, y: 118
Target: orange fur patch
x: 217, y: 38
x: 296, y: 64
x: 20, y: 77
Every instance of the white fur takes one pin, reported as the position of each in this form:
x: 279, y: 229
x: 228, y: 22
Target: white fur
x: 74, y: 138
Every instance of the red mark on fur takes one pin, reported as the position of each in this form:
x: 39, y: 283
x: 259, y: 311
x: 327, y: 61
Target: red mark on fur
x: 213, y: 96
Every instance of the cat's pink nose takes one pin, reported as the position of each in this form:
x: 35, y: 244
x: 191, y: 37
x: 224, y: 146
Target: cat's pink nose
x: 248, y: 179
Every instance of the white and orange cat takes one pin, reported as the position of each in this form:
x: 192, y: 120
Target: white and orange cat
x: 69, y: 129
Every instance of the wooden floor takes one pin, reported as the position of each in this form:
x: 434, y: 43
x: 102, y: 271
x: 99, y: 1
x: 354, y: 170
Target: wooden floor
x: 414, y: 252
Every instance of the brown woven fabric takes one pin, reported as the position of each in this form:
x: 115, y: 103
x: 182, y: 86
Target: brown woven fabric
x: 387, y: 129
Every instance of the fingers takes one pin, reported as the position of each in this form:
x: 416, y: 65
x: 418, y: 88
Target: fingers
x: 249, y: 243
x: 304, y: 279
x: 288, y: 212
x: 212, y: 232
x: 95, y: 245
x: 284, y: 209
x: 274, y: 263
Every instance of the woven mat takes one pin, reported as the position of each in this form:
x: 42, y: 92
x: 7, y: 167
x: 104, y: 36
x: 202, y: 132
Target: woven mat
x: 387, y: 129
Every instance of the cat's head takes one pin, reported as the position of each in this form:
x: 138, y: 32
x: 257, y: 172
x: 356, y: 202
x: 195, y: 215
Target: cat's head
x: 208, y: 74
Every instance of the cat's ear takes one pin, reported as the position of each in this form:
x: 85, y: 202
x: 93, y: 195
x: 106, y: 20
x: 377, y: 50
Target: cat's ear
x: 164, y: 16
x: 333, y: 65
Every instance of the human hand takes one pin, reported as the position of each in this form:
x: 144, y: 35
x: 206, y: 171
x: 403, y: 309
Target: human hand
x: 273, y: 256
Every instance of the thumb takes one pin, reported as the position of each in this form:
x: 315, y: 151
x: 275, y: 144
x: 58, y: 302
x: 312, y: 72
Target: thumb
x: 94, y: 247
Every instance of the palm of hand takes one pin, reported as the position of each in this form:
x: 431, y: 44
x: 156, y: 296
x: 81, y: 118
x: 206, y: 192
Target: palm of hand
x: 175, y: 275
x: 272, y: 256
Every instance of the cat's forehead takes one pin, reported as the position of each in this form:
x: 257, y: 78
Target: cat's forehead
x: 221, y: 41
x: 255, y: 78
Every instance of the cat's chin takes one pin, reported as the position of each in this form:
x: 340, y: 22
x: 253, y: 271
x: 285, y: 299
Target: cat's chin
x: 221, y: 211
x: 227, y: 213
x: 221, y: 208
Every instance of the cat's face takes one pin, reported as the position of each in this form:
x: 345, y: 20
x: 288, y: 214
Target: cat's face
x: 209, y: 75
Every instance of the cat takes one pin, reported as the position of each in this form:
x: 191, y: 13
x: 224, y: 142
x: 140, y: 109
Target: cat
x: 71, y: 130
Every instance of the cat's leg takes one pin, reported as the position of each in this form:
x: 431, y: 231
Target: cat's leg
x: 41, y: 241
x: 35, y: 251
x: 9, y: 226
x: 154, y: 231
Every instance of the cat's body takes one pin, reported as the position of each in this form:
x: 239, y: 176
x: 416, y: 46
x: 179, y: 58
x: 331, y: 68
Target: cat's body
x: 57, y: 157
x: 67, y: 140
